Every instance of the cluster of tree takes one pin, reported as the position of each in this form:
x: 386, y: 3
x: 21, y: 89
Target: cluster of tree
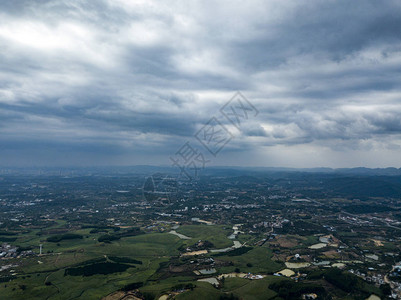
x: 7, y: 236
x: 396, y: 275
x: 7, y: 278
x: 366, y: 208
x: 90, y: 261
x: 6, y: 239
x: 20, y: 249
x: 345, y: 281
x: 100, y: 227
x: 107, y: 238
x: 97, y: 230
x: 183, y: 286
x: 235, y: 252
x: 8, y: 233
x: 127, y: 260
x: 228, y: 297
x: 131, y: 286
x: 102, y: 268
x: 287, y: 289
x: 67, y: 236
x: 385, y: 289
x: 197, y: 246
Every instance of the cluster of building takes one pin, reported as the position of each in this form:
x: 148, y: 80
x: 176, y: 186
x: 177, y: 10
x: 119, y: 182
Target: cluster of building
x: 6, y: 250
x: 253, y: 277
x: 378, y: 279
x: 354, y: 220
x: 9, y: 251
x: 276, y: 222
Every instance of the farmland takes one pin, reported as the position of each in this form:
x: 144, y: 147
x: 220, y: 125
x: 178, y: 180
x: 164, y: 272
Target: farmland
x: 82, y: 238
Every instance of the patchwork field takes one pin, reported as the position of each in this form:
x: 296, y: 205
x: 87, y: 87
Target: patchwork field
x: 92, y: 263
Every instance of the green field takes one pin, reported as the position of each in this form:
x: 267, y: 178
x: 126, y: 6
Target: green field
x: 34, y: 272
x: 81, y: 267
x: 241, y: 288
x: 257, y: 260
x: 45, y: 276
x: 216, y: 234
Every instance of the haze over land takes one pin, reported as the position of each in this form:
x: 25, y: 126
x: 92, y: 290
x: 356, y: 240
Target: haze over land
x: 118, y: 83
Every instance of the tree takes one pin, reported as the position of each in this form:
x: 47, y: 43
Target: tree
x: 385, y: 288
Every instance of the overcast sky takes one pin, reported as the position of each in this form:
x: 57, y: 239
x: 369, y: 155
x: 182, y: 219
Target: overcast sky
x: 118, y: 82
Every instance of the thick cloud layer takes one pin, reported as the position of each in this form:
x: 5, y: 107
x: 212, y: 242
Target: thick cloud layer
x: 129, y: 82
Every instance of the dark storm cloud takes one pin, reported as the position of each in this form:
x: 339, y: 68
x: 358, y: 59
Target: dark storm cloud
x: 116, y: 78
x: 332, y: 29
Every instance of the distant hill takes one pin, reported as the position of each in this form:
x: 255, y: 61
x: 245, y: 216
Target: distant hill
x: 209, y: 170
x: 372, y: 186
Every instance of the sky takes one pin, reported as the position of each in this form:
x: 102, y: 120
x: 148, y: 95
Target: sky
x: 97, y: 83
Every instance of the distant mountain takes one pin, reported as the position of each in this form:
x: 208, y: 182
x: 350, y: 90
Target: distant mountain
x: 371, y: 186
x: 350, y: 171
x: 367, y: 171
x: 208, y: 171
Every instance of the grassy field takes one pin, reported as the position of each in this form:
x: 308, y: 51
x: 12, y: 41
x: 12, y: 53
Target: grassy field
x: 152, y: 249
x: 250, y: 289
x: 44, y: 277
x: 34, y: 272
x: 257, y: 260
x: 242, y: 288
x: 158, y: 288
x: 216, y: 234
x: 203, y: 291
